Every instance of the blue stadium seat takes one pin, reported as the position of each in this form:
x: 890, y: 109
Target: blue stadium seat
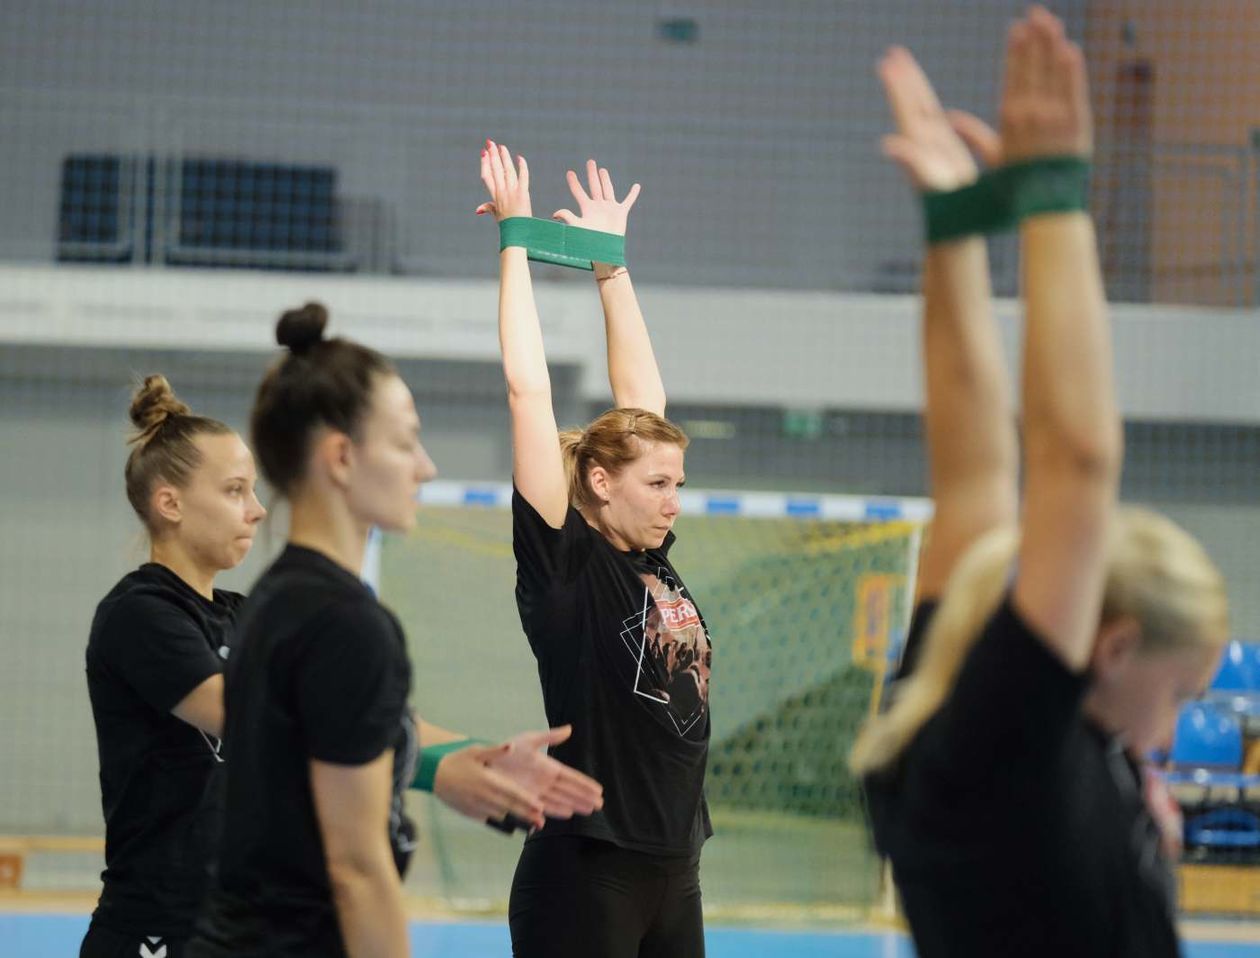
x: 1240, y: 669
x: 1207, y: 737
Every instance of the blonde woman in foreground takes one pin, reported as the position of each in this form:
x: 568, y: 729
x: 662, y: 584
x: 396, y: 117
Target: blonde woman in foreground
x: 1058, y: 636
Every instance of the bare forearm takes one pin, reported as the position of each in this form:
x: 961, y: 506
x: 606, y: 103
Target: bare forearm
x: 969, y: 419
x: 370, y: 910
x: 1069, y: 403
x: 520, y: 333
x: 632, y: 370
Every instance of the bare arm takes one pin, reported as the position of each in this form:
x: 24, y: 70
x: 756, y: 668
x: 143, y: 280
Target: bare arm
x: 632, y: 370
x: 537, y: 466
x: 352, y: 806
x: 517, y: 778
x: 203, y: 707
x: 968, y: 417
x: 1072, y: 435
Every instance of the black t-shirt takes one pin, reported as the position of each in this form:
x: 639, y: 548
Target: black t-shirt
x: 623, y: 655
x: 1017, y: 827
x: 318, y: 670
x: 154, y: 639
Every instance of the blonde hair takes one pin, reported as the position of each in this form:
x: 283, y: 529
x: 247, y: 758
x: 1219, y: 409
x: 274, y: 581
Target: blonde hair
x: 1157, y: 574
x: 614, y: 440
x: 163, y: 446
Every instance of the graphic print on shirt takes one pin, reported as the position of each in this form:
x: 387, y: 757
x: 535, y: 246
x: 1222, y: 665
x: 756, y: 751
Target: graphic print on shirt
x: 671, y: 649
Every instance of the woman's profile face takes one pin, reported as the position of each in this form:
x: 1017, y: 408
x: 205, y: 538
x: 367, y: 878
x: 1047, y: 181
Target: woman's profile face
x: 1145, y: 695
x: 389, y: 463
x: 643, y: 497
x: 219, y: 510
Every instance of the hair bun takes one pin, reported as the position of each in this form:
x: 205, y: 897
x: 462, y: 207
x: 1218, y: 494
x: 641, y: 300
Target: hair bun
x: 300, y: 329
x: 152, y: 404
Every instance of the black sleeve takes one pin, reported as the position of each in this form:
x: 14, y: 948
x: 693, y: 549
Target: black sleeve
x: 545, y: 556
x: 351, y: 684
x: 157, y: 649
x: 1012, y: 706
x: 912, y: 649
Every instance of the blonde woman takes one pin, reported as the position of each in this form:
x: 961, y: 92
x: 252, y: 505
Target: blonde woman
x: 1001, y: 781
x: 623, y: 653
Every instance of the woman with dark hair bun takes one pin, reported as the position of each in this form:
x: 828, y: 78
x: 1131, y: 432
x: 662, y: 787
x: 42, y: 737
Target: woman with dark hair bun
x: 322, y: 739
x: 154, y: 673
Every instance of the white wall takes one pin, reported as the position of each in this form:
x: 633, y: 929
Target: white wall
x: 722, y: 346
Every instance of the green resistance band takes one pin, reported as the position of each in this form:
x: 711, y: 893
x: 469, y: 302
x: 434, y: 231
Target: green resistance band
x: 550, y: 241
x: 431, y: 757
x: 1000, y: 198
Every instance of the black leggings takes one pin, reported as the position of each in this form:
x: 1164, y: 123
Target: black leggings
x: 575, y: 896
x: 104, y: 943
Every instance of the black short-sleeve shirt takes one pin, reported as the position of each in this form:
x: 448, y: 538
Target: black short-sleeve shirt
x: 1017, y: 827
x: 318, y: 670
x: 623, y: 655
x: 153, y: 640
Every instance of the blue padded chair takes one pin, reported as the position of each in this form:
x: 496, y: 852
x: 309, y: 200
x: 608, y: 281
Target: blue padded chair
x: 1207, y: 737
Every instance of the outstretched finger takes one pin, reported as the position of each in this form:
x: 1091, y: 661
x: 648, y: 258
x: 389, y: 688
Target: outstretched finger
x: 592, y: 180
x: 1078, y: 92
x: 487, y: 177
x: 485, y: 208
x: 981, y: 138
x: 509, y: 171
x: 630, y: 198
x: 496, y: 170
x: 516, y: 800
x: 605, y: 181
x: 891, y: 70
x: 578, y: 788
x: 522, y: 173
x: 910, y: 93
x: 1016, y: 81
x: 1040, y: 50
x: 564, y: 216
x: 575, y: 187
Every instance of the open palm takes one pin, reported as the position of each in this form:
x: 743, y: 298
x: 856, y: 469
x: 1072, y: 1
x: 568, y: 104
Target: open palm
x: 599, y: 209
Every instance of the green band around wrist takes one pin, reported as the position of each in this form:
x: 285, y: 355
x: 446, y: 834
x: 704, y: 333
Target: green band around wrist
x: 549, y: 241
x: 999, y: 199
x: 431, y: 757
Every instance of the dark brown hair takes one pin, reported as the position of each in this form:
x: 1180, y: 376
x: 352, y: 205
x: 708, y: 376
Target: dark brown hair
x: 317, y: 382
x: 614, y: 440
x: 163, y: 446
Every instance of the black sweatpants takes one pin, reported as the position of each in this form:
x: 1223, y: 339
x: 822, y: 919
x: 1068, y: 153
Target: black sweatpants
x: 576, y: 896
x: 106, y: 943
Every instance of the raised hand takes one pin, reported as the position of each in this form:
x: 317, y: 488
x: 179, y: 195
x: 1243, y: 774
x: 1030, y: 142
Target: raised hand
x: 563, y: 791
x: 927, y: 144
x: 600, y: 210
x: 1045, y: 96
x: 508, y: 186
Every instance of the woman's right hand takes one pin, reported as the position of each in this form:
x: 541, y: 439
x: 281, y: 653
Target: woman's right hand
x: 466, y: 782
x: 508, y: 186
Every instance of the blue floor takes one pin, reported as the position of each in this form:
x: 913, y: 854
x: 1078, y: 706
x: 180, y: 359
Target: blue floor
x: 58, y: 936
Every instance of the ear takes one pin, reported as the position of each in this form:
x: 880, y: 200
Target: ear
x: 600, y: 482
x: 1117, y: 643
x: 166, y: 503
x: 332, y: 455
